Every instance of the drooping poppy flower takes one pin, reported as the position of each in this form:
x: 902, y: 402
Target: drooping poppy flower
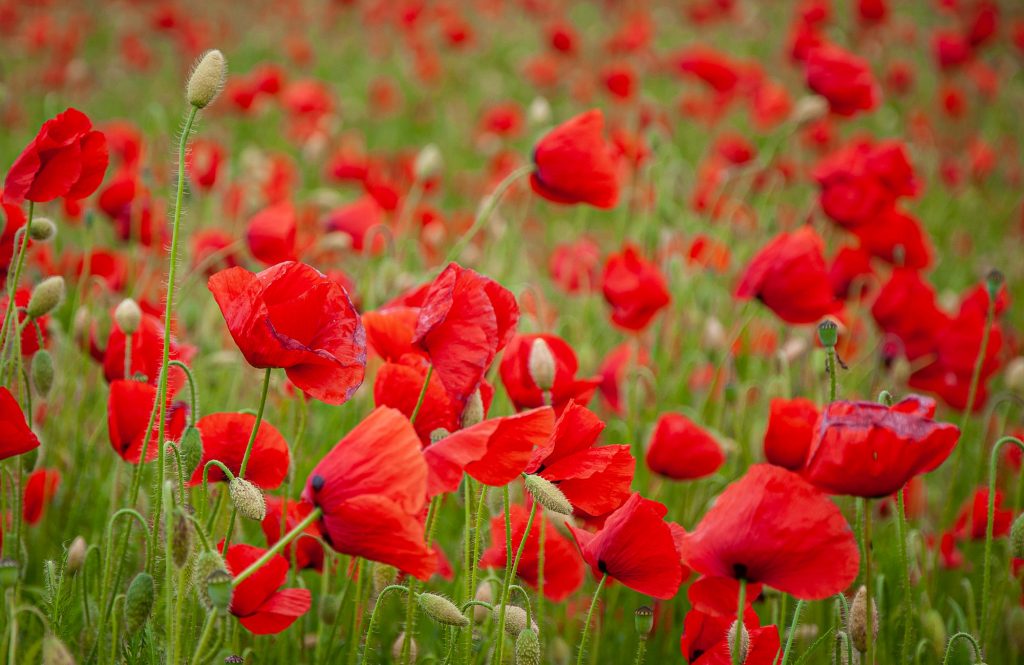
x: 66, y: 158
x: 283, y: 515
x: 843, y: 79
x: 259, y: 602
x: 682, y: 450
x: 225, y: 438
x: 292, y: 316
x: 40, y: 487
x: 16, y: 437
x: 789, y: 276
x: 634, y: 287
x: 635, y: 547
x: 464, y: 320
x: 790, y: 431
x: 563, y: 570
x: 773, y: 527
x: 494, y: 451
x: 871, y: 450
x: 573, y: 163
x: 270, y: 233
x: 519, y: 384
x: 372, y: 489
x: 595, y: 479
x: 972, y: 520
x: 129, y: 407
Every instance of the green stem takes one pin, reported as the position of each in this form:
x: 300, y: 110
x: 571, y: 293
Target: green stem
x: 193, y: 395
x: 869, y: 615
x: 962, y: 636
x: 204, y: 637
x: 248, y: 450
x: 486, y: 210
x: 641, y: 649
x: 586, y: 625
x: 830, y: 361
x: 368, y: 642
x: 737, y: 641
x: 792, y: 631
x: 423, y: 395
x: 901, y: 534
x: 313, y: 516
x: 503, y: 596
x: 12, y: 284
x: 987, y: 563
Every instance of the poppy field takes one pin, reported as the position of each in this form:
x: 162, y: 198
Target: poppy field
x: 512, y: 331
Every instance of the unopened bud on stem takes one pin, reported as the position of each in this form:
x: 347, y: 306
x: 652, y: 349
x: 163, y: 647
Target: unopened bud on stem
x: 542, y: 364
x: 207, y: 79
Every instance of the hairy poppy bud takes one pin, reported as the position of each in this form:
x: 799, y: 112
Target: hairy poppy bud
x: 515, y: 619
x: 473, y: 412
x: 138, y: 602
x: 714, y: 336
x: 128, y: 316
x: 190, y: 446
x: 743, y: 642
x: 527, y: 648
x: 330, y: 608
x: 644, y: 621
x: 181, y: 545
x: 206, y: 563
x: 810, y: 109
x: 207, y: 79
x: 1013, y: 375
x: 484, y: 594
x: 561, y: 652
x: 399, y: 644
x: 539, y: 112
x: 1017, y: 537
x: 41, y: 229
x: 934, y: 630
x: 858, y: 621
x: 438, y: 434
x: 828, y: 333
x: 218, y: 588
x: 248, y: 499
x: 428, y: 162
x: 383, y: 576
x: 42, y: 371
x: 541, y: 364
x: 47, y: 295
x: 9, y: 572
x: 547, y: 494
x: 442, y: 610
x: 76, y: 554
x: 55, y: 652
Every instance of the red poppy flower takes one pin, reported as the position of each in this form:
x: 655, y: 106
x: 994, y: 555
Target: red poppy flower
x: 636, y: 547
x: 372, y: 488
x: 595, y: 479
x: 862, y: 180
x: 292, y: 316
x: 972, y: 520
x: 270, y: 234
x: 128, y: 410
x: 358, y: 220
x: 634, y: 287
x: 66, y: 158
x: 898, y: 238
x: 29, y: 335
x: 789, y: 276
x: 225, y: 438
x: 851, y: 266
x: 465, y: 319
x: 790, y: 432
x: 204, y: 161
x: 575, y: 266
x: 775, y: 528
x: 563, y: 570
x: 390, y: 331
x: 147, y: 354
x: 308, y: 552
x: 870, y: 450
x: 906, y: 309
x: 524, y: 393
x: 262, y: 607
x: 573, y: 163
x: 763, y: 648
x: 712, y: 67
x: 493, y: 452
x: 40, y: 487
x: 843, y: 79
x: 614, y: 369
x: 681, y: 450
x: 16, y: 437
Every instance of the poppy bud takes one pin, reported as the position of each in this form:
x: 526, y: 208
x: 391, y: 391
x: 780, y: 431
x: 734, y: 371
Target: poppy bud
x: 442, y: 610
x: 190, y: 446
x: 714, y: 334
x: 515, y: 619
x: 792, y: 349
x: 541, y: 364
x: 207, y: 79
x: 1017, y: 537
x: 138, y: 602
x: 1015, y: 627
x: 248, y: 499
x: 644, y: 621
x: 744, y: 642
x: 396, y: 648
x: 994, y: 281
x: 383, y: 576
x: 128, y: 316
x: 1013, y: 375
x: 206, y: 563
x: 473, y: 412
x: 47, y: 295
x: 9, y: 573
x: 539, y: 112
x: 828, y: 333
x: 55, y: 652
x: 330, y: 608
x: 527, y: 648
x: 218, y: 588
x: 42, y: 372
x: 840, y: 655
x: 438, y: 434
x: 934, y: 630
x: 484, y: 594
x: 547, y: 494
x: 76, y: 554
x: 428, y: 162
x: 181, y: 545
x: 41, y: 229
x: 810, y: 109
x: 858, y: 621
x: 560, y: 651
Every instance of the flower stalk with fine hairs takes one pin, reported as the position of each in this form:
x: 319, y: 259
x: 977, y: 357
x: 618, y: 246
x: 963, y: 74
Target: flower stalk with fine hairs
x: 586, y: 624
x: 986, y: 584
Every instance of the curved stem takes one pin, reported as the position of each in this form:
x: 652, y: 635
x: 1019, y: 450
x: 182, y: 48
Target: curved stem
x: 194, y: 401
x: 586, y: 626
x: 368, y: 642
x: 486, y: 210
x: 989, y: 526
x: 248, y: 451
x: 901, y: 534
x: 792, y: 631
x: 12, y: 283
x: 961, y: 636
x: 423, y: 394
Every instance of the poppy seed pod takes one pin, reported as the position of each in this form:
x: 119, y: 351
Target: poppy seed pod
x: 542, y: 364
x: 55, y: 652
x: 428, y: 162
x: 207, y: 79
x: 46, y: 296
x: 138, y: 602
x: 547, y: 494
x: 473, y: 412
x: 994, y: 281
x: 527, y: 648
x: 76, y: 554
x: 218, y: 588
x: 438, y: 434
x: 442, y: 610
x: 1013, y: 375
x: 248, y: 499
x: 1017, y: 537
x: 828, y: 333
x: 644, y: 621
x: 858, y: 622
x: 42, y: 229
x: 128, y: 316
x: 744, y: 642
x: 9, y: 571
x: 484, y: 594
x: 42, y: 371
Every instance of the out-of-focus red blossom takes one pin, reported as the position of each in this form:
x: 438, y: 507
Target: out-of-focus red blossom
x: 706, y: 252
x: 16, y: 437
x: 872, y: 12
x: 790, y: 432
x: 503, y: 119
x: 906, y: 309
x: 595, y: 479
x: 862, y: 180
x: 372, y: 489
x: 493, y: 452
x: 225, y: 438
x: 270, y: 234
x: 66, y: 158
x: 851, y: 266
x: 635, y: 547
x: 773, y: 527
x: 575, y: 266
x: 204, y: 162
x: 40, y: 487
x: 359, y: 220
x: 870, y: 450
x: 634, y: 287
x: 789, y: 276
x: 682, y: 450
x: 147, y: 354
x: 309, y: 553
x: 712, y: 67
x: 896, y: 237
x: 562, y: 37
x: 951, y: 49
x: 615, y: 368
x: 563, y: 570
x: 213, y: 249
x: 292, y: 316
x: 128, y: 409
x: 29, y: 336
x: 972, y: 520
x: 262, y: 607
x: 620, y: 80
x: 465, y: 319
x: 843, y: 79
x: 573, y: 163
x: 915, y: 503
x: 14, y: 219
x: 519, y: 384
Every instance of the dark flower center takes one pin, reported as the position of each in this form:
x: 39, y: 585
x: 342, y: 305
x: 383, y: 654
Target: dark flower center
x: 318, y: 482
x: 739, y: 571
